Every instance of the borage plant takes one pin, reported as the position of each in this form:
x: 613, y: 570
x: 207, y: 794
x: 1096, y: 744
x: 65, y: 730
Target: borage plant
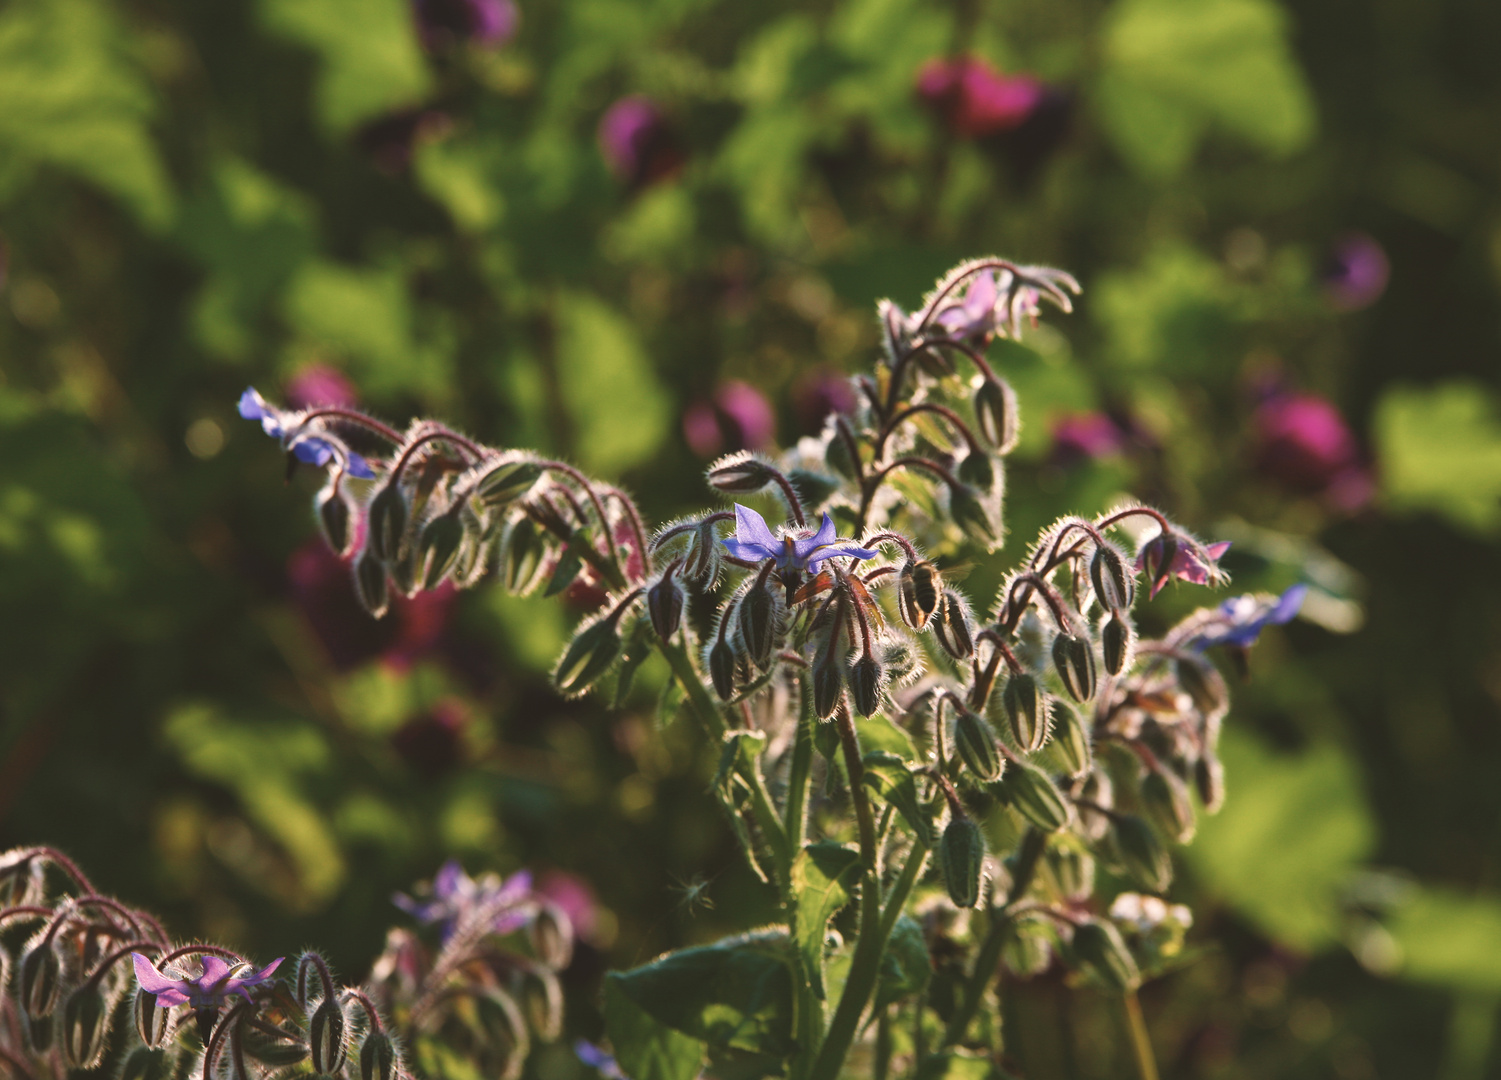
x: 875, y: 731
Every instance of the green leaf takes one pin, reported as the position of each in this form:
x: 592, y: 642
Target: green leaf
x: 955, y: 1065
x: 1449, y: 938
x: 735, y: 994
x: 879, y: 733
x: 888, y: 775
x: 73, y: 98
x: 1172, y: 68
x: 730, y: 790
x: 563, y: 574
x: 1440, y: 450
x: 371, y: 60
x: 1292, y: 831
x: 822, y: 877
x: 906, y: 968
x: 644, y: 1048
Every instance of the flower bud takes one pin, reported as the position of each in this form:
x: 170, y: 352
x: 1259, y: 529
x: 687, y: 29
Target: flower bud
x: 521, y: 551
x: 996, y: 414
x: 918, y: 592
x: 551, y: 934
x: 1026, y: 711
x: 377, y: 1057
x: 326, y: 1037
x: 370, y: 583
x: 1112, y: 582
x: 147, y: 1063
x: 1095, y: 788
x: 504, y: 482
x: 1157, y: 559
x: 758, y: 622
x: 152, y: 1021
x: 334, y: 514
x: 85, y: 1023
x: 837, y: 454
x: 1027, y: 951
x: 1034, y: 795
x: 741, y: 474
x: 1073, y: 870
x: 591, y: 652
x: 1164, y: 799
x: 438, y: 547
x: 975, y: 742
x: 828, y: 685
x: 1202, y: 682
x: 952, y: 628
x: 978, y: 471
x: 664, y: 602
x: 1099, y: 949
x: 1140, y: 853
x: 976, y: 514
x: 962, y: 853
x: 388, y: 516
x: 722, y: 669
x: 1073, y: 657
x: 1071, y: 742
x: 1209, y: 778
x: 865, y: 685
x: 1115, y: 643
x: 38, y: 986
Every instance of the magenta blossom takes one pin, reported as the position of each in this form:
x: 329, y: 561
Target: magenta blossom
x: 319, y: 384
x: 975, y: 99
x: 1086, y: 436
x: 637, y: 143
x: 800, y: 550
x: 1178, y: 555
x: 485, y: 22
x: 458, y: 900
x: 1304, y: 443
x: 1355, y: 272
x: 209, y: 990
x: 738, y: 418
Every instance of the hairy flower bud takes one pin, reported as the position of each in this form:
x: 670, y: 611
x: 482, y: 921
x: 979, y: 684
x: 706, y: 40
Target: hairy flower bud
x: 1209, y: 778
x: 521, y: 555
x: 377, y: 1057
x: 438, y: 546
x: 1034, y: 795
x: 742, y: 473
x: 1073, y: 870
x: 39, y: 976
x: 151, y: 1020
x: 1115, y: 643
x: 1073, y: 657
x: 1099, y: 949
x: 664, y: 602
x: 975, y: 741
x: 387, y: 521
x: 828, y: 685
x: 758, y: 619
x: 919, y: 592
x: 370, y: 583
x: 85, y: 1023
x: 334, y: 515
x: 701, y: 563
x: 996, y: 414
x: 1071, y: 744
x: 1164, y: 798
x: 1026, y: 711
x: 326, y: 1037
x: 1140, y: 853
x: 1202, y: 682
x: 952, y: 628
x: 865, y: 680
x: 977, y: 513
x: 722, y: 669
x: 1113, y: 584
x: 961, y: 852
x: 502, y: 483
x: 1157, y: 559
x: 589, y: 655
x: 147, y: 1063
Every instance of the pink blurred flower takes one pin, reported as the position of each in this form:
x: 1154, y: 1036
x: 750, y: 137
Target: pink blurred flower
x: 1085, y: 437
x: 1355, y: 272
x: 819, y: 393
x: 319, y: 384
x: 576, y: 897
x: 1304, y: 444
x: 637, y: 143
x: 485, y: 22
x: 738, y: 418
x: 975, y: 99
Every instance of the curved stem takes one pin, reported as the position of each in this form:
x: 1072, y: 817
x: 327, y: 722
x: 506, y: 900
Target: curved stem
x: 369, y: 423
x: 931, y: 407
x: 1141, y: 1043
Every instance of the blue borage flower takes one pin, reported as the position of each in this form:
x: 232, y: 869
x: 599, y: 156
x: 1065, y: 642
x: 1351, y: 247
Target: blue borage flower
x: 312, y: 446
x: 209, y: 989
x: 754, y: 541
x: 1240, y: 620
x: 457, y: 897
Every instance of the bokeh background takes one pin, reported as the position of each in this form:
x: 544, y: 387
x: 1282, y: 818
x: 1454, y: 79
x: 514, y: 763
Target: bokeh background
x: 642, y: 232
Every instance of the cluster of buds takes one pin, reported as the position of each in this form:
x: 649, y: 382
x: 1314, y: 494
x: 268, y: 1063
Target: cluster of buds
x: 1047, y: 708
x: 89, y: 983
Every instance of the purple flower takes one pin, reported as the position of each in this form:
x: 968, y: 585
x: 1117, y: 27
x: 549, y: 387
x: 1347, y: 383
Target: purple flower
x: 1240, y: 620
x: 485, y: 22
x: 975, y: 99
x: 739, y: 418
x: 1304, y: 443
x: 457, y: 899
x: 819, y: 393
x: 315, y: 449
x: 1086, y: 436
x: 753, y: 541
x: 1355, y: 272
x: 598, y: 1060
x: 637, y: 143
x: 1184, y: 557
x: 209, y: 990
x: 319, y: 384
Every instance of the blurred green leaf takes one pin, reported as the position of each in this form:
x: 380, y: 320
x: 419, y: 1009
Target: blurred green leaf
x: 70, y: 96
x: 955, y: 1065
x: 372, y: 63
x: 1292, y: 831
x: 1172, y: 68
x: 906, y: 968
x: 645, y: 1048
x: 1175, y: 311
x: 1440, y: 450
x: 822, y: 876
x: 1449, y: 938
x: 458, y: 175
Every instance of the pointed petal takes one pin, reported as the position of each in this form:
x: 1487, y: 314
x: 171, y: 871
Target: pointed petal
x: 750, y: 552
x: 517, y: 886
x: 750, y: 527
x: 359, y: 467
x: 842, y: 548
x: 450, y: 879
x: 252, y: 405
x: 807, y: 545
x: 214, y: 969
x: 151, y: 980
x: 313, y: 450
x: 1288, y: 606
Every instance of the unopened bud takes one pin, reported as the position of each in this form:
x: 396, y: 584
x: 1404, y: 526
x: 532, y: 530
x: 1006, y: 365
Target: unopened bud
x: 387, y: 520
x: 741, y: 474
x: 1071, y: 742
x: 377, y: 1057
x: 996, y: 414
x: 919, y: 592
x: 1034, y: 795
x: 1027, y: 949
x: 828, y: 685
x: 85, y: 1023
x: 1073, y: 870
x: 722, y: 669
x: 837, y: 454
x: 326, y: 1037
x: 438, y: 547
x: 976, y: 513
x: 588, y: 656
x: 151, y: 1019
x: 962, y: 853
x: 503, y: 483
x: 664, y: 602
x: 1100, y: 950
x: 1113, y: 586
x: 334, y: 514
x: 1164, y: 798
x: 1141, y: 854
x: 552, y: 936
x: 701, y: 562
x: 1073, y: 657
x: 978, y: 471
x: 521, y: 552
x: 952, y: 628
x: 1202, y: 682
x: 370, y: 583
x: 975, y: 742
x: 758, y: 623
x: 38, y: 986
x: 1026, y: 711
x: 1115, y: 643
x: 1157, y: 559
x: 865, y: 685
x: 1209, y: 778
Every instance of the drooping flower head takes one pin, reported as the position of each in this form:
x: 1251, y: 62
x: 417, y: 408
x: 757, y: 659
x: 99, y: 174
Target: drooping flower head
x: 794, y: 550
x: 457, y: 899
x: 209, y: 989
x: 312, y: 445
x: 1176, y: 554
x: 1240, y: 620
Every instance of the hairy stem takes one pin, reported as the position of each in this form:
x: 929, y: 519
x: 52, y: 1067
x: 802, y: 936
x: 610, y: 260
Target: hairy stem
x: 1141, y: 1043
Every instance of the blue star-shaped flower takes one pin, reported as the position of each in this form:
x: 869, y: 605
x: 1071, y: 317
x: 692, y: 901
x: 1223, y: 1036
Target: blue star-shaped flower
x: 1240, y: 620
x: 457, y: 897
x: 314, y: 449
x: 753, y: 541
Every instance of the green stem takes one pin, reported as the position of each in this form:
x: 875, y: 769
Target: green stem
x: 975, y: 985
x: 1141, y: 1043
x: 802, y: 765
